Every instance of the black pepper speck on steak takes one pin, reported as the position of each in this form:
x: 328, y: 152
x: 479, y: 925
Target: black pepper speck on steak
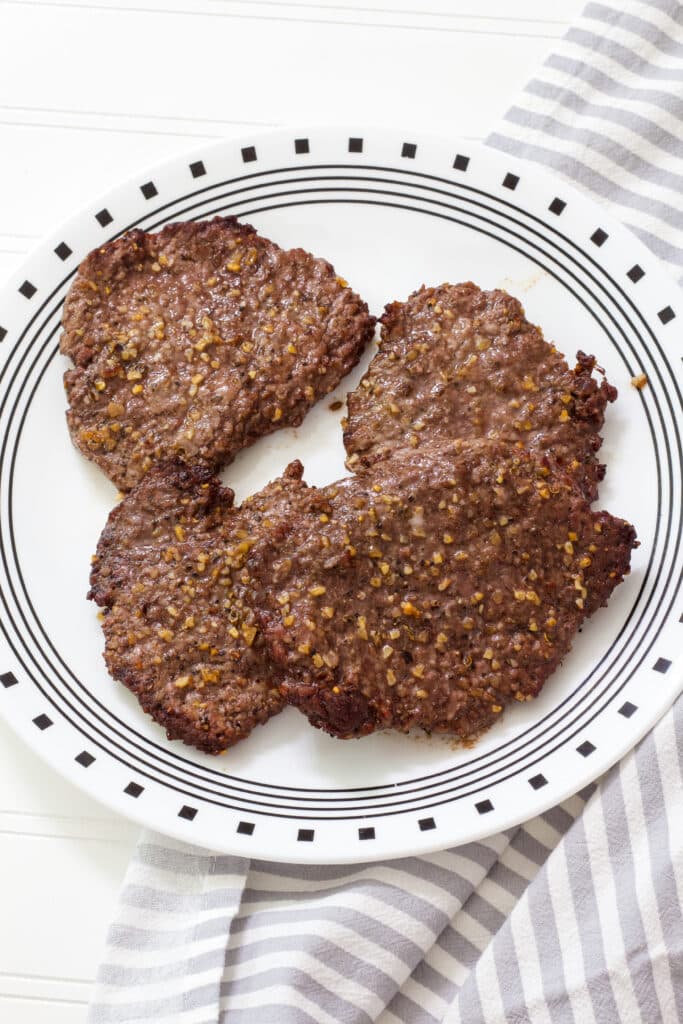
x: 169, y: 573
x: 459, y: 362
x: 433, y: 590
x: 198, y: 340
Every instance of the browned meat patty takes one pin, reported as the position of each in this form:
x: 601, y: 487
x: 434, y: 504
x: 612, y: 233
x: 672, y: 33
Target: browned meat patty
x: 169, y: 573
x: 196, y: 341
x: 458, y: 362
x: 434, y: 590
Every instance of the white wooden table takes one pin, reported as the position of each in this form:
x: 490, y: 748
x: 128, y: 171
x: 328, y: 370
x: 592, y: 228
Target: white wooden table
x: 90, y: 92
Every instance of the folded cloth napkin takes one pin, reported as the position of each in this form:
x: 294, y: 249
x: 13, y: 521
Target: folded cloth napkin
x: 573, y: 917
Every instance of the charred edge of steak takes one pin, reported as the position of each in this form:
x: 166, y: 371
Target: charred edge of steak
x: 611, y: 562
x: 591, y: 398
x: 201, y: 733
x: 343, y: 714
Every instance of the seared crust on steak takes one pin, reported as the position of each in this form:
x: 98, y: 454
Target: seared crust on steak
x: 435, y: 590
x: 168, y: 572
x: 196, y: 341
x: 459, y: 362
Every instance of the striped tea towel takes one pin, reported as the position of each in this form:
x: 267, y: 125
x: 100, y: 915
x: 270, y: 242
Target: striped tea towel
x: 575, y: 916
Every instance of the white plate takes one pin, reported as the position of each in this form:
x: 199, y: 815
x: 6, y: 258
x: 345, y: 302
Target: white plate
x: 391, y: 211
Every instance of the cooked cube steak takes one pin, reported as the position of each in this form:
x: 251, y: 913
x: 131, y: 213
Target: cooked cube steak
x: 198, y: 340
x: 433, y: 590
x: 459, y: 362
x: 169, y: 574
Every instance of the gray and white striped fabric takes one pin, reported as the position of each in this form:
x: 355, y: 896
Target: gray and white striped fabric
x: 574, y: 917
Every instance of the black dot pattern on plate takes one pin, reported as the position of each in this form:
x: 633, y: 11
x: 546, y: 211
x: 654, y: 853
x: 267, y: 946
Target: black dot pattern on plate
x: 248, y: 154
x: 409, y: 149
x: 599, y: 237
x: 426, y: 824
x: 42, y: 722
x: 63, y: 251
x: 557, y: 206
x: 188, y: 813
x: 538, y: 781
x: 628, y: 709
x: 511, y: 181
x: 662, y: 665
x: 8, y: 679
x: 484, y: 806
x: 84, y: 758
x: 134, y: 789
x: 585, y: 749
x: 3, y: 333
x: 461, y: 162
x: 301, y: 146
x: 355, y: 145
x: 28, y: 290
x: 245, y: 828
x: 149, y: 190
x: 305, y: 835
x: 635, y: 273
x: 104, y: 218
x: 366, y: 833
x: 666, y: 315
x: 197, y: 169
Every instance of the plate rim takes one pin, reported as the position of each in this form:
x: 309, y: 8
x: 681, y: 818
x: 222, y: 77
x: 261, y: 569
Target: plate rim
x: 536, y: 802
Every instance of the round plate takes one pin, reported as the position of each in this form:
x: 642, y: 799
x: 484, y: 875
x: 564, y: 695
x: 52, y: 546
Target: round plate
x: 391, y: 211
